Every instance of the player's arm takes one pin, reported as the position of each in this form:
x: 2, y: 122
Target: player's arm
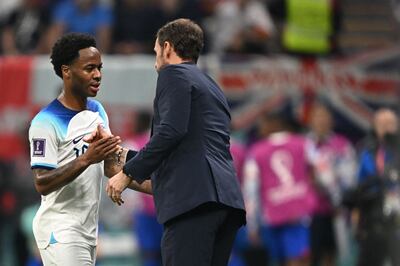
x: 47, y: 181
x: 114, y: 163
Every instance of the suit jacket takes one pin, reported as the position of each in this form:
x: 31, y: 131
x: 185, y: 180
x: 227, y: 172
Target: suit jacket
x: 188, y: 154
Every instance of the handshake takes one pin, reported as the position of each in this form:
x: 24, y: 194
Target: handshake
x: 113, y: 165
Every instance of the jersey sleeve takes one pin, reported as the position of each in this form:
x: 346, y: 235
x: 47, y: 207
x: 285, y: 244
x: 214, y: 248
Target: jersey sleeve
x: 96, y: 106
x: 43, y: 146
x: 104, y: 116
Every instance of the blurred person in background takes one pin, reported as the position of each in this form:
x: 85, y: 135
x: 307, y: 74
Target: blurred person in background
x: 238, y: 151
x: 67, y: 171
x: 309, y: 26
x: 191, y: 9
x: 396, y: 9
x: 8, y: 214
x: 16, y: 194
x: 140, y: 130
x: 6, y: 6
x: 84, y: 16
x: 148, y: 231
x: 135, y: 24
x: 334, y: 163
x: 378, y: 194
x: 240, y: 26
x: 196, y: 10
x: 26, y: 28
x: 279, y: 193
x: 244, y: 253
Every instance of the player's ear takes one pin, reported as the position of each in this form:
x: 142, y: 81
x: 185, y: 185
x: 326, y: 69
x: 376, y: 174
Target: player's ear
x: 66, y: 71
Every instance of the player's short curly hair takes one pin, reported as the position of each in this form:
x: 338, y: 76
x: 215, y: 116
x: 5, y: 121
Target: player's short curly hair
x: 66, y: 49
x: 185, y: 36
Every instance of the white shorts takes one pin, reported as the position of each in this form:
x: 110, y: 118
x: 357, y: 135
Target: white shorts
x: 70, y: 254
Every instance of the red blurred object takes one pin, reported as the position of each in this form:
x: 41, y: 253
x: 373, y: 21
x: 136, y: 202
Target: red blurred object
x: 8, y: 202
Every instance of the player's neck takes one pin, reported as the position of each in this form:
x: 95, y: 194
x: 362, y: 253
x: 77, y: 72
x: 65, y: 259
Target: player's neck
x: 72, y: 102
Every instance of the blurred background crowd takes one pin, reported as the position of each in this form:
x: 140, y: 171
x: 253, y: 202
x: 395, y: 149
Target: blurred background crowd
x: 239, y: 27
x: 320, y: 79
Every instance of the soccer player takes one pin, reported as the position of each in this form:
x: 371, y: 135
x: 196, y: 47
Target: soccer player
x: 68, y: 171
x: 278, y: 189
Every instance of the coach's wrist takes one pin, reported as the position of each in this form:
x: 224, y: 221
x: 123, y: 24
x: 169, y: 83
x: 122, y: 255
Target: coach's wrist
x: 126, y: 172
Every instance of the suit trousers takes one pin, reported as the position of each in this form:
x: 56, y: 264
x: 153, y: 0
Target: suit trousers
x: 203, y: 236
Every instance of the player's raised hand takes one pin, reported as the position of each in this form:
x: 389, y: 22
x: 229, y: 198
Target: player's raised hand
x: 100, y: 148
x: 97, y: 134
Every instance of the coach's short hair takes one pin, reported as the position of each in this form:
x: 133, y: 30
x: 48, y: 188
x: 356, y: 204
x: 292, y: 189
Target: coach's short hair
x: 66, y: 49
x: 185, y: 36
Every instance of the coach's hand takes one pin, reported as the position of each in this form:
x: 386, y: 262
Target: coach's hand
x: 116, y: 185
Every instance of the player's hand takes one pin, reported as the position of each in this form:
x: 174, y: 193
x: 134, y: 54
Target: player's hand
x: 99, y: 149
x: 97, y: 134
x: 116, y: 185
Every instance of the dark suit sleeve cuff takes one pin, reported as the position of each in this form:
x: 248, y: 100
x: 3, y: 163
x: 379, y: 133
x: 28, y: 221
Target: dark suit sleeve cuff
x: 130, y: 154
x: 133, y: 171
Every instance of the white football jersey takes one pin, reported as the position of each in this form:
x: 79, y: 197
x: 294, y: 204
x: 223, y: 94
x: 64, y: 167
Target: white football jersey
x: 69, y: 214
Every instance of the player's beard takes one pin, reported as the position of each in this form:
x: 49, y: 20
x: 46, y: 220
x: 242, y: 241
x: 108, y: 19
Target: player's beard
x: 82, y: 90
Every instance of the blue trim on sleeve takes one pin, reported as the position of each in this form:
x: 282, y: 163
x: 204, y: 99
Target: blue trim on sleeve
x: 96, y: 106
x: 56, y: 115
x: 43, y: 166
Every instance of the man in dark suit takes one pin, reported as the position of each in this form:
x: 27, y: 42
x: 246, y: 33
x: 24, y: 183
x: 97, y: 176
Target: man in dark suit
x: 195, y: 187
